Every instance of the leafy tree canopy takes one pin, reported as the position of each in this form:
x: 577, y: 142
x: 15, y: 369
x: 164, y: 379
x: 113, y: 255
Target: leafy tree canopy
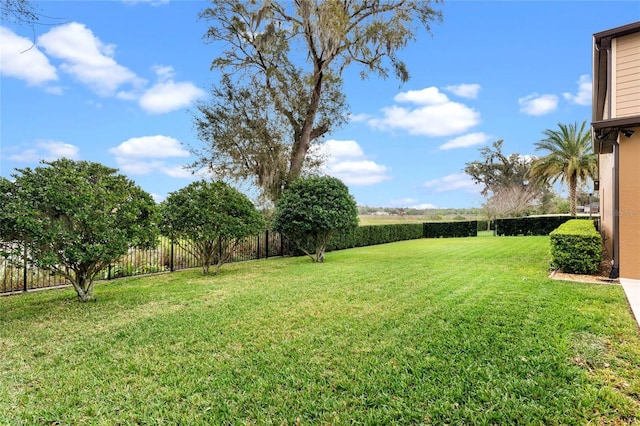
x: 312, y: 209
x: 506, y: 181
x: 208, y: 219
x: 281, y: 89
x: 75, y: 218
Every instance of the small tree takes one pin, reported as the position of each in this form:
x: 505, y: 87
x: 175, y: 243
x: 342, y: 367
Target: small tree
x: 312, y: 209
x: 208, y: 219
x: 75, y: 217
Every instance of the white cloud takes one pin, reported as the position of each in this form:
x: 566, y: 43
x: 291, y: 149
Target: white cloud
x: 403, y: 202
x: 362, y: 172
x: 157, y: 146
x: 583, y: 97
x: 139, y: 167
x: 466, y: 141
x: 48, y: 150
x: 358, y: 118
x: 535, y: 104
x: 178, y: 172
x: 157, y: 197
x: 164, y: 72
x: 436, y: 115
x: 426, y: 96
x: 452, y: 182
x: 148, y: 154
x: 424, y: 206
x: 469, y: 91
x: 342, y: 149
x: 19, y: 58
x: 411, y: 203
x: 346, y: 161
x: 87, y: 58
x: 167, y: 95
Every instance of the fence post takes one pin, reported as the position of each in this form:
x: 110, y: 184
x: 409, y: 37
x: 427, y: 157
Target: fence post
x: 258, y: 246
x: 24, y: 272
x: 281, y: 245
x: 266, y: 243
x: 109, y: 272
x: 171, y: 263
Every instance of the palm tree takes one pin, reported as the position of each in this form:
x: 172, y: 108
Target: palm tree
x: 570, y: 158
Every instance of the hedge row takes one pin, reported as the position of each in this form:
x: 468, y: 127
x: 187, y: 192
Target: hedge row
x: 540, y: 225
x: 450, y: 229
x: 576, y: 247
x: 375, y: 234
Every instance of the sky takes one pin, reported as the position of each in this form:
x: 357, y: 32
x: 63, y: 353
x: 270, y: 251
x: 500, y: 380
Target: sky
x: 116, y: 82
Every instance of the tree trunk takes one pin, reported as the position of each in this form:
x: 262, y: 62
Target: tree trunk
x: 320, y: 253
x: 83, y: 286
x: 573, y: 194
x: 302, y: 145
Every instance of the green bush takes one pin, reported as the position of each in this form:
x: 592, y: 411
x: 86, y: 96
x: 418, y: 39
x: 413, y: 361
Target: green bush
x: 576, y: 247
x: 375, y: 234
x: 314, y: 209
x: 539, y: 225
x: 451, y: 229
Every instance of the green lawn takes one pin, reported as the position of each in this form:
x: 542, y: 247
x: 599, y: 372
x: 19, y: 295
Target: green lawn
x: 457, y: 331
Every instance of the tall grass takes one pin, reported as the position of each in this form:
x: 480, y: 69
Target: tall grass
x: 445, y: 331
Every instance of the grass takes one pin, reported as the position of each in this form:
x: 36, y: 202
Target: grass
x: 445, y: 331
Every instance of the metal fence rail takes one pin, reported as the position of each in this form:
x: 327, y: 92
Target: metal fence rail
x: 17, y: 274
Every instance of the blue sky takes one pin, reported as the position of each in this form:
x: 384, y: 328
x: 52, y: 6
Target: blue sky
x: 115, y: 81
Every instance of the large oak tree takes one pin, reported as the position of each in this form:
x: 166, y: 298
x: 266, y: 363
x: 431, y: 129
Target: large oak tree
x: 280, y: 88
x: 506, y: 182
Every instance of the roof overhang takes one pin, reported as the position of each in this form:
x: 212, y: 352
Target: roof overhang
x: 604, y: 129
x: 605, y: 132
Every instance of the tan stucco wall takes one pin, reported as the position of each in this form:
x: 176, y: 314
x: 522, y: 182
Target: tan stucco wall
x: 626, y: 78
x: 630, y: 206
x: 605, y: 174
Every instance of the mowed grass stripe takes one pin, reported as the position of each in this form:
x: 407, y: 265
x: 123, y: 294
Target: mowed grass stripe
x: 427, y: 331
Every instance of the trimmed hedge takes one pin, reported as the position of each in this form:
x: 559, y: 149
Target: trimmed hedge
x: 451, y: 229
x: 539, y: 225
x: 375, y: 234
x: 576, y: 247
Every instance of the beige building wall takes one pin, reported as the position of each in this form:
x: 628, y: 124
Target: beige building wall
x: 626, y: 78
x: 630, y: 206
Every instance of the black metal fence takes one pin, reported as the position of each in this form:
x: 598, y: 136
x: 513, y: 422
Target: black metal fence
x: 18, y: 275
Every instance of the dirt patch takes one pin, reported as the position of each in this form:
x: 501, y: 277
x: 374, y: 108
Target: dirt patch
x: 600, y: 277
x: 592, y: 279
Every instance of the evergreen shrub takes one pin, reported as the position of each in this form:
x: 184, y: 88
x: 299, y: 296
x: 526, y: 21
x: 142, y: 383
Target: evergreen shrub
x: 538, y: 225
x: 576, y: 247
x: 375, y: 234
x: 450, y: 229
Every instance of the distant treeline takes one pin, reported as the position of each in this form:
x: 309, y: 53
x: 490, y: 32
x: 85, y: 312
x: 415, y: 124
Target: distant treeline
x: 401, y: 211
